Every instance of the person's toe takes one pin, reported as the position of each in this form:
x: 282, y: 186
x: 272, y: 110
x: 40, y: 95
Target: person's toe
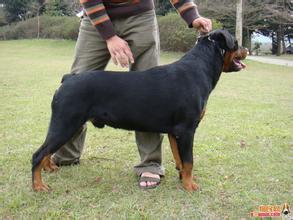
x: 143, y: 184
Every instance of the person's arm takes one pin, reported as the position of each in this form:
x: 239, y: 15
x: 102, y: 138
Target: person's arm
x: 95, y: 10
x: 188, y: 11
x: 118, y: 48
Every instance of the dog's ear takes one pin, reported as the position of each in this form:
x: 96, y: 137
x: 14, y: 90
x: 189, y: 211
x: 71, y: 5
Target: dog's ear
x: 225, y: 39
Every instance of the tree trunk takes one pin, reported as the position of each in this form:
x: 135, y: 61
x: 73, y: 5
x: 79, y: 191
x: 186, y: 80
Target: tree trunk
x: 38, y: 18
x: 283, y: 46
x: 249, y: 41
x: 283, y: 39
x: 279, y: 40
x: 239, y: 16
x: 274, y: 43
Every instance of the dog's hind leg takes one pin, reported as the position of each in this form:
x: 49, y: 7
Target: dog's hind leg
x: 37, y: 182
x: 175, y: 152
x: 185, y: 145
x: 57, y: 136
x: 49, y: 165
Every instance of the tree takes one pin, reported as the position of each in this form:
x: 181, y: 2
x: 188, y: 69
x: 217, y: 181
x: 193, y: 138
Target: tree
x: 221, y: 10
x: 163, y: 7
x: 270, y: 17
x: 16, y: 10
x: 279, y: 23
x: 2, y: 16
x: 57, y: 8
x: 73, y: 6
x: 40, y: 7
x: 239, y: 21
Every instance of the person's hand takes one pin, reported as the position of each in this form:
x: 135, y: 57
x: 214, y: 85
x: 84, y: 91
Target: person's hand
x: 120, y: 51
x: 203, y: 25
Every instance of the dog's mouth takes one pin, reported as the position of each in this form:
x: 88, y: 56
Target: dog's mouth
x: 238, y: 65
x: 240, y: 55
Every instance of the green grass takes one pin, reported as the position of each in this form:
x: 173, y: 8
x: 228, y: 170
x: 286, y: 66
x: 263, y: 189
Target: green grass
x: 287, y: 57
x: 243, y: 147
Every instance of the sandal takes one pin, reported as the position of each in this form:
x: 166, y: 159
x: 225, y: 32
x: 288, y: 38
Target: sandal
x: 148, y: 179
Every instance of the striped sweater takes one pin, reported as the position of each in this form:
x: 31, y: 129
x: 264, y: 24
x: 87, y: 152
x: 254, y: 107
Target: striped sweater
x: 102, y: 11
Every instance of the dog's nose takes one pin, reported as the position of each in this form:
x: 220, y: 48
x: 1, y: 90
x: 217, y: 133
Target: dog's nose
x: 243, y: 52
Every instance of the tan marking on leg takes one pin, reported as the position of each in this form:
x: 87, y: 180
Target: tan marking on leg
x: 49, y: 164
x: 174, y: 148
x: 202, y: 113
x: 187, y: 178
x: 38, y: 184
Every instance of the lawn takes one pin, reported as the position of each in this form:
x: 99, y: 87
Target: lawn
x: 243, y: 147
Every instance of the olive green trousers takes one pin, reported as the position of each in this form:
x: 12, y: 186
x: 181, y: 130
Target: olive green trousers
x: 91, y: 53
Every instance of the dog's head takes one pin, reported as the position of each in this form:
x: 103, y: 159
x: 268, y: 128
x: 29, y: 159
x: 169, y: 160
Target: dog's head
x: 233, y: 54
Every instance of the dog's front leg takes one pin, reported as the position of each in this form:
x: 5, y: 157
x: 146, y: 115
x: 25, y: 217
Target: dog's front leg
x: 185, y: 145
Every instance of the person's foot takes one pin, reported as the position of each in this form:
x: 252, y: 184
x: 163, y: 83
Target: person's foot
x: 64, y: 163
x: 149, y: 180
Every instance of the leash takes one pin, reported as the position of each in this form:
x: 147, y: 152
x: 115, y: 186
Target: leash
x: 201, y: 36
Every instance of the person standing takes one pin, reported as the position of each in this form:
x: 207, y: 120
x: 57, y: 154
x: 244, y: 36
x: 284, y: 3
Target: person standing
x: 125, y: 31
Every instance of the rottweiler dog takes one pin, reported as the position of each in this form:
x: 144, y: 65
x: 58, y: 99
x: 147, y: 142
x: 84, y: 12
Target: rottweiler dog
x: 167, y: 99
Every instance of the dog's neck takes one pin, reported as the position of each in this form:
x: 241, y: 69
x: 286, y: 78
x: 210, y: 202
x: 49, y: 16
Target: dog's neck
x: 208, y: 50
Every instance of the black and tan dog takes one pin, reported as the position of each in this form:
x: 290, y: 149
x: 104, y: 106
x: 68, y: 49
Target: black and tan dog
x: 166, y: 99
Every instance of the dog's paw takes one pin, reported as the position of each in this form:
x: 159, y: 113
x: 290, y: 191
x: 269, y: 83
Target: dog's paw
x: 41, y: 187
x: 190, y: 186
x: 50, y: 166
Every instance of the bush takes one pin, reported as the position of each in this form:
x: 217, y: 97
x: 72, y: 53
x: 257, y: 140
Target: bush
x: 175, y: 35
x: 57, y: 27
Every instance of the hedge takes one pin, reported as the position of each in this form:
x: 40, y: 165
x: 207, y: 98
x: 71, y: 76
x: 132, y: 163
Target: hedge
x: 174, y: 33
x: 62, y: 27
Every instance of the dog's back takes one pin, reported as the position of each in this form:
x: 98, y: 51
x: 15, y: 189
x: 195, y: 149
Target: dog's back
x: 67, y: 76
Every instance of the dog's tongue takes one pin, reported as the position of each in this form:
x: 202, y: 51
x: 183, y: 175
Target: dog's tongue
x: 239, y: 64
x: 242, y: 64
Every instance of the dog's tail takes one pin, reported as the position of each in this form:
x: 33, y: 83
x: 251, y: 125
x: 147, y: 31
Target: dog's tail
x: 67, y: 76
